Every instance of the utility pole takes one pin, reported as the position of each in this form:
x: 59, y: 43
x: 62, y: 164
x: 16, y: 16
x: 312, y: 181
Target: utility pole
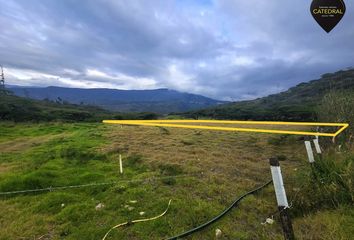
x: 2, y: 79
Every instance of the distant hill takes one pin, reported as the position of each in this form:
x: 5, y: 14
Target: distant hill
x: 296, y: 104
x: 159, y: 100
x: 19, y: 109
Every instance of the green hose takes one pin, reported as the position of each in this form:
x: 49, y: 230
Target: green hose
x: 189, y: 232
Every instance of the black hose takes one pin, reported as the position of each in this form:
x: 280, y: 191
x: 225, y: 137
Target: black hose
x: 189, y: 232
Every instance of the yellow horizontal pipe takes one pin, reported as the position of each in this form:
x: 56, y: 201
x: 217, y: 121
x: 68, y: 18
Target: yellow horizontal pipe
x: 166, y: 123
x: 341, y: 129
x: 237, y: 122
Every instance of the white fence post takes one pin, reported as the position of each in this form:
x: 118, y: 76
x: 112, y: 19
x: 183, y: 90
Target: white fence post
x: 120, y: 164
x: 282, y: 200
x: 317, y: 145
x: 309, y: 152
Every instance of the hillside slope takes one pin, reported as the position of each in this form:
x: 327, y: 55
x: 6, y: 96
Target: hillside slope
x: 158, y: 100
x: 14, y: 108
x: 297, y: 104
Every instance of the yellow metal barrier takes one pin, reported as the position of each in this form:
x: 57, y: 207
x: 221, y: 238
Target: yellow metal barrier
x: 177, y: 124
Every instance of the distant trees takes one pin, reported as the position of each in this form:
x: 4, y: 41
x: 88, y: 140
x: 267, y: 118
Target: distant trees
x: 13, y: 108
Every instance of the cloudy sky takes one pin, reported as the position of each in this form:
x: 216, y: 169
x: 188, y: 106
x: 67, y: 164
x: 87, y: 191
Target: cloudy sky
x: 225, y: 49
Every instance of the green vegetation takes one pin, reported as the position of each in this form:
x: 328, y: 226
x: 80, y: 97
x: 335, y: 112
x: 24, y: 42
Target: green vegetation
x: 223, y: 165
x: 299, y: 103
x: 13, y: 108
x: 337, y: 106
x: 45, y: 149
x: 160, y: 101
x: 328, y: 185
x: 334, y: 174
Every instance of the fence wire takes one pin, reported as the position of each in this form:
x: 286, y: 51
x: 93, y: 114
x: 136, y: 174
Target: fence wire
x: 49, y: 189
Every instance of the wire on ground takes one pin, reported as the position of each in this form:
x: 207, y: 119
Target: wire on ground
x: 189, y: 232
x: 49, y: 189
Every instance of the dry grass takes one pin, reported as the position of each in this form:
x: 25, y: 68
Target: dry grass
x: 227, y: 163
x: 231, y: 163
x: 5, y: 167
x: 231, y: 154
x: 25, y: 143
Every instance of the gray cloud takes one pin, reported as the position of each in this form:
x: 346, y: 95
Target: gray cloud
x: 226, y: 49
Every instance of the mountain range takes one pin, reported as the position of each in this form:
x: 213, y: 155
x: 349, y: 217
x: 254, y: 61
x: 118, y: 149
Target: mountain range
x: 158, y: 100
x: 298, y: 103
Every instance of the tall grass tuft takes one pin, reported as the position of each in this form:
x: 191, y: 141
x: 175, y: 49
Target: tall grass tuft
x: 337, y: 106
x: 329, y: 184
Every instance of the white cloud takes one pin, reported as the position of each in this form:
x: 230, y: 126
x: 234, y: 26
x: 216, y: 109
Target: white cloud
x: 177, y: 79
x: 243, y: 61
x: 93, y: 79
x: 223, y: 49
x: 96, y: 73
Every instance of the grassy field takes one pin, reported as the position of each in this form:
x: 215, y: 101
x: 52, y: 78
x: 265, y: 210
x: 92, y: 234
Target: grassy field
x: 220, y: 167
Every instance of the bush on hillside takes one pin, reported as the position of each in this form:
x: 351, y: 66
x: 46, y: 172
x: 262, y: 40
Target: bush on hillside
x: 337, y: 106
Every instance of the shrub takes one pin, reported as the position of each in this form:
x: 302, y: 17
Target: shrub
x: 170, y: 169
x: 278, y: 140
x: 164, y: 131
x: 133, y: 164
x: 169, y: 181
x: 133, y: 160
x: 187, y: 142
x: 80, y: 154
x: 337, y: 106
x: 33, y: 180
x: 38, y: 179
x: 52, y: 203
x: 329, y: 184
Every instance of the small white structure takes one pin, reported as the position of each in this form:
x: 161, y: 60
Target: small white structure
x: 99, y: 206
x: 218, y: 233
